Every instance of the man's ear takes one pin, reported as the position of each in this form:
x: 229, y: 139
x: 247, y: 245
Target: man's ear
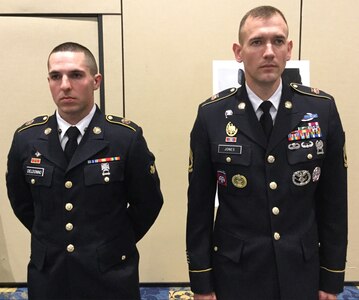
x: 97, y: 80
x: 237, y: 48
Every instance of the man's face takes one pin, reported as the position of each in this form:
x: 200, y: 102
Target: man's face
x: 71, y: 84
x: 264, y: 50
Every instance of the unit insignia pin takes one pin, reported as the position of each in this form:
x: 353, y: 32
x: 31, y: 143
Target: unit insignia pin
x: 96, y: 130
x: 316, y: 174
x: 47, y: 131
x: 231, y: 129
x: 301, y: 177
x: 320, y: 146
x: 228, y: 112
x: 239, y: 181
x: 288, y: 104
x: 241, y: 105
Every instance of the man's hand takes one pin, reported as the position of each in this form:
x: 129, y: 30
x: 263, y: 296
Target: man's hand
x: 326, y: 296
x: 210, y: 296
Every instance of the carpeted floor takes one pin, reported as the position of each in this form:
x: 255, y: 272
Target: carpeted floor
x: 162, y: 293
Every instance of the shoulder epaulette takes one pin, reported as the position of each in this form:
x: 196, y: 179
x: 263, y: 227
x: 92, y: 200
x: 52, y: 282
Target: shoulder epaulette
x: 34, y: 122
x: 121, y: 121
x: 220, y: 96
x: 306, y: 90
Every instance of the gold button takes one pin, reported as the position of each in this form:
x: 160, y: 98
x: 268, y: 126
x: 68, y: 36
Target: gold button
x: 288, y: 104
x: 69, y: 206
x: 273, y: 185
x: 69, y: 226
x: 270, y: 159
x: 106, y: 179
x: 276, y: 236
x: 309, y: 156
x: 228, y: 159
x: 33, y: 181
x: 275, y: 211
x: 123, y: 257
x: 242, y: 105
x: 68, y: 184
x: 215, y: 248
x: 70, y: 248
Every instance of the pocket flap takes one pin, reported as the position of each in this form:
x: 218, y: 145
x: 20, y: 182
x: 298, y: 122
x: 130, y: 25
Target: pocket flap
x: 228, y: 245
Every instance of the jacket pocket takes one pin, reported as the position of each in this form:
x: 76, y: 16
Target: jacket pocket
x: 38, y: 253
x: 115, y: 252
x: 228, y: 245
x: 40, y: 175
x: 103, y: 173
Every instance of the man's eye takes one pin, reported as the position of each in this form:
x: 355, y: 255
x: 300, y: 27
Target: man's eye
x: 55, y: 77
x: 256, y: 43
x: 279, y: 42
x: 76, y: 76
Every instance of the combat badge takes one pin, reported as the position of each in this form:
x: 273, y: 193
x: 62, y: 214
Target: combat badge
x: 239, y: 181
x: 231, y: 129
x: 301, y: 177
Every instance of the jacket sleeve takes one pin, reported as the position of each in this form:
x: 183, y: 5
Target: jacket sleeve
x: 18, y: 190
x: 332, y: 208
x: 200, y: 214
x: 144, y: 194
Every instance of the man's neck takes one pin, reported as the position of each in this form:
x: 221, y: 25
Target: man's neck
x: 264, y: 91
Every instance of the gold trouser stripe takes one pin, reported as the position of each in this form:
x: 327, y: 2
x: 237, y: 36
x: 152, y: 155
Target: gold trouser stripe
x: 200, y: 271
x: 333, y: 271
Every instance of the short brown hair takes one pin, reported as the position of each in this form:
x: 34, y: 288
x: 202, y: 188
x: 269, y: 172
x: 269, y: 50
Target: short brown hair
x: 264, y: 12
x: 75, y: 47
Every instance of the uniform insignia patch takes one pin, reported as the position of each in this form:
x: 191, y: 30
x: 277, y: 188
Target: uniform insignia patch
x: 153, y: 169
x: 228, y: 113
x: 239, y: 181
x: 345, y: 157
x: 105, y: 168
x: 316, y: 174
x: 96, y: 130
x: 190, y: 166
x: 231, y: 129
x: 306, y: 132
x: 35, y: 171
x: 309, y: 117
x: 102, y: 160
x: 231, y: 139
x: 35, y: 160
x: 301, y: 177
x: 319, y: 144
x: 47, y: 131
x: 222, y: 178
x: 230, y: 149
x: 34, y: 122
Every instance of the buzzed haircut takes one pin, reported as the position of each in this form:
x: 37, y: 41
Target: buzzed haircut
x: 262, y: 12
x: 75, y: 47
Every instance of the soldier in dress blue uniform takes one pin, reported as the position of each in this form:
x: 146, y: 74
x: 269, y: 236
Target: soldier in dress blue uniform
x: 280, y: 230
x: 85, y: 212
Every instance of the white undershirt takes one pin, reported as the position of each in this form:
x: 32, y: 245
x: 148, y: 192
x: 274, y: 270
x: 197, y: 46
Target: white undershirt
x: 81, y: 126
x: 256, y: 101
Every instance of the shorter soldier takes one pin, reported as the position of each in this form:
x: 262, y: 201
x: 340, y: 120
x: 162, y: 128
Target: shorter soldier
x: 280, y: 231
x: 85, y: 186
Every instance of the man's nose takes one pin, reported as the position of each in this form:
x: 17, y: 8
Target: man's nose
x: 65, y: 83
x: 269, y: 50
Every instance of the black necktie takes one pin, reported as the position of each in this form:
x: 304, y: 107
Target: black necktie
x: 71, y: 144
x: 266, y: 118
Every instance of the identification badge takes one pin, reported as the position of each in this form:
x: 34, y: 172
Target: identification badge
x: 230, y: 149
x: 35, y: 171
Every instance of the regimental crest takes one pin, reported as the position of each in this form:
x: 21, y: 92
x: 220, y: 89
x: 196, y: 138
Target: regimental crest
x: 231, y: 129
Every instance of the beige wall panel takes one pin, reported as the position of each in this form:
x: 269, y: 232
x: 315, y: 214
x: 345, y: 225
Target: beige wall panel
x: 331, y: 42
x: 26, y: 43
x: 62, y: 6
x: 112, y: 39
x: 169, y: 47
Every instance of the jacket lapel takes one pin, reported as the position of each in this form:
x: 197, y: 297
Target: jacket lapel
x: 92, y: 142
x: 288, y: 117
x: 48, y: 144
x: 246, y: 120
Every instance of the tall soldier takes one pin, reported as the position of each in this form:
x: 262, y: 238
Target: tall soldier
x: 85, y: 185
x: 280, y: 231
